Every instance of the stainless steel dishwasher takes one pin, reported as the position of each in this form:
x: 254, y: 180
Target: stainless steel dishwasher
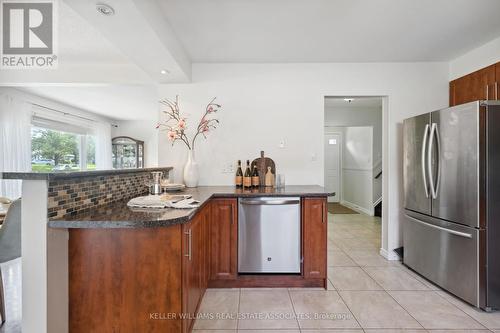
x: 269, y: 235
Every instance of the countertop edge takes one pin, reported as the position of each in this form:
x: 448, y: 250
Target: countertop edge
x: 117, y: 224
x: 75, y: 174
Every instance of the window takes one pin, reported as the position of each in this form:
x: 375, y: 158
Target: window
x: 55, y: 150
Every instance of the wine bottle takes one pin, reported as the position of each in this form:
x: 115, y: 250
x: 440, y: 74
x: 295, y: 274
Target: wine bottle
x: 255, y: 177
x: 239, y: 175
x: 247, y: 178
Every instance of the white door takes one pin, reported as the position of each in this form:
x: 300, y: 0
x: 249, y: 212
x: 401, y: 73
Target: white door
x: 333, y: 165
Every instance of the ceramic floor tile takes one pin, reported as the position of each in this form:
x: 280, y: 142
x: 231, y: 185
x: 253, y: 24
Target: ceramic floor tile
x: 433, y: 311
x: 266, y: 309
x: 370, y: 258
x: 11, y: 272
x: 339, y: 258
x: 394, y: 278
x: 459, y: 331
x: 377, y: 309
x: 385, y: 330
x: 221, y: 306
x: 268, y: 331
x: 490, y: 320
x: 420, y: 278
x: 351, y: 278
x: 214, y: 331
x: 321, y: 309
x: 330, y: 331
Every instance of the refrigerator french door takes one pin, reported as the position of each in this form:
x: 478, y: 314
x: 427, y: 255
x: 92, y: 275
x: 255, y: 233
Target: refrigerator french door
x: 450, y: 165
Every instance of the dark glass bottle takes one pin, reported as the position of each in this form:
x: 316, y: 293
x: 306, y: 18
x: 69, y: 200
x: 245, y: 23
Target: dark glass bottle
x: 247, y: 178
x: 239, y: 175
x: 255, y: 177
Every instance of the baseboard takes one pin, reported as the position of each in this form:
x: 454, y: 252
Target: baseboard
x: 377, y: 201
x: 357, y: 208
x: 389, y: 255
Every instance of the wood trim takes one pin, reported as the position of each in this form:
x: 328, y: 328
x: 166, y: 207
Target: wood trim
x: 268, y: 281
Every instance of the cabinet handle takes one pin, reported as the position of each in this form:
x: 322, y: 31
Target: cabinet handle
x: 190, y: 242
x: 487, y: 91
x: 496, y: 90
x: 323, y: 213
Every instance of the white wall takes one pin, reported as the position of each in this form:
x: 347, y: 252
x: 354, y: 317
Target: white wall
x: 473, y: 60
x: 264, y: 103
x: 357, y: 164
x: 143, y: 130
x: 358, y: 116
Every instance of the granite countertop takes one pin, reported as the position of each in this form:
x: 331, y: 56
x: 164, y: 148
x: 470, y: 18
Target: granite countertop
x: 118, y: 215
x: 56, y: 175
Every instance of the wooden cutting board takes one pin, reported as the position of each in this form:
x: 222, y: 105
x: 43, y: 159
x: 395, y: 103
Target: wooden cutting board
x: 262, y: 163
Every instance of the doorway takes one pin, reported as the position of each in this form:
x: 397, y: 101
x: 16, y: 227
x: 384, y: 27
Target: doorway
x: 353, y: 152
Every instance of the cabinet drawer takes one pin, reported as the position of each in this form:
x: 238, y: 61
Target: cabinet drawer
x: 445, y: 253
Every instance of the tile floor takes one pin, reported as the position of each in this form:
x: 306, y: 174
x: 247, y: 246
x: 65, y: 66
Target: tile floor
x: 11, y: 273
x: 366, y: 294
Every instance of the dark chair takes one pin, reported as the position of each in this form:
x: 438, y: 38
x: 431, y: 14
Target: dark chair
x: 10, y: 244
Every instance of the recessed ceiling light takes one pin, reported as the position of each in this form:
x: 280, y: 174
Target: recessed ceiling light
x: 104, y: 9
x: 164, y: 71
x: 348, y: 100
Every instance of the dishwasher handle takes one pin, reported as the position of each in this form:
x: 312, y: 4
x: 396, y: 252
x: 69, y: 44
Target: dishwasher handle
x: 270, y: 202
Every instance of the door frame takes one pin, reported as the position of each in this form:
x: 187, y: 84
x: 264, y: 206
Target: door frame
x: 389, y: 227
x: 341, y: 159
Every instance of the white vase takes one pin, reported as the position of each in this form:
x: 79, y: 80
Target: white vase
x: 191, y: 175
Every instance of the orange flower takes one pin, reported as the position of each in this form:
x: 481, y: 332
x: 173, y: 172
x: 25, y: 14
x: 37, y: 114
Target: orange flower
x: 182, y: 124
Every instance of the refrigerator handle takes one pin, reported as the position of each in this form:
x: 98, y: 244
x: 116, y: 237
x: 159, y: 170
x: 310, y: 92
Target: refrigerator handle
x: 453, y: 232
x: 438, y: 160
x: 429, y: 161
x: 424, y: 145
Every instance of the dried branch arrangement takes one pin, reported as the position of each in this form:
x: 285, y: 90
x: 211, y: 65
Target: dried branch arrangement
x: 176, y: 126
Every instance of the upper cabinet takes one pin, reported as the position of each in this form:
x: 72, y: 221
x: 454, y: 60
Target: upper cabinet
x: 479, y: 85
x: 128, y: 153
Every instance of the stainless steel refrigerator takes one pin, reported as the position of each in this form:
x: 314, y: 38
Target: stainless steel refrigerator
x: 452, y: 200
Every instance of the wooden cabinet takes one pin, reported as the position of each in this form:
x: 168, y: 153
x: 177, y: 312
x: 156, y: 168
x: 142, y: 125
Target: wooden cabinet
x: 314, y: 240
x: 124, y: 280
x: 193, y: 267
x: 223, y: 237
x: 479, y: 85
x: 130, y: 280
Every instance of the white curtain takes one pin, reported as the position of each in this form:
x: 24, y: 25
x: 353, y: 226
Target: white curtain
x: 15, y: 142
x: 103, y: 153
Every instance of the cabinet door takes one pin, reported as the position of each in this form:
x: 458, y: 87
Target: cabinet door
x: 192, y: 268
x: 223, y: 239
x: 487, y: 83
x: 466, y: 89
x: 475, y: 86
x: 314, y: 221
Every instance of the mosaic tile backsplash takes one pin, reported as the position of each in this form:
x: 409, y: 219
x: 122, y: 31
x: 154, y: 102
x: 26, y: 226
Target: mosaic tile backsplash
x: 81, y: 195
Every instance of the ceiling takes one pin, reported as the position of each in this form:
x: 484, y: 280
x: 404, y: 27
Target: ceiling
x: 331, y: 30
x: 80, y: 42
x: 357, y: 102
x: 120, y: 102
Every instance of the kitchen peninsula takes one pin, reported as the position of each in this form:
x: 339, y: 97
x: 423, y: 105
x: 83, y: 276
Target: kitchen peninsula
x: 140, y: 270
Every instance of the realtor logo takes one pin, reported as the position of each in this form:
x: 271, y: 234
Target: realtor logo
x: 28, y: 34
